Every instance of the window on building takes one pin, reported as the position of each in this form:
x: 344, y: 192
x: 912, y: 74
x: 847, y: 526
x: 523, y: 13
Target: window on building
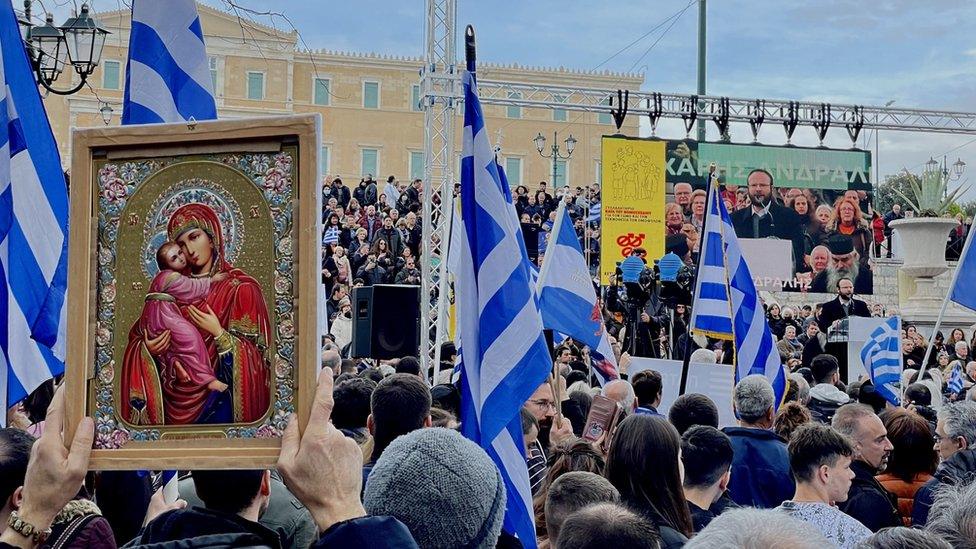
x: 255, y: 85
x: 598, y: 171
x: 324, y: 160
x: 513, y: 170
x: 370, y: 162
x: 371, y: 95
x: 320, y: 91
x: 604, y: 116
x: 562, y: 177
x: 416, y: 165
x: 110, y: 74
x: 559, y: 115
x: 415, y: 98
x: 213, y: 73
x: 514, y: 112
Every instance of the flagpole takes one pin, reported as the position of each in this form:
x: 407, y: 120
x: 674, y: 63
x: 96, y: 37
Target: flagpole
x: 686, y: 358
x: 945, y: 303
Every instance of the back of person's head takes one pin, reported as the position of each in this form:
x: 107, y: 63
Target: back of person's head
x: 576, y: 455
x: 918, y: 394
x: 372, y: 374
x: 448, y: 351
x: 847, y: 420
x: 607, y: 525
x: 800, y: 389
x: 15, y: 449
x: 442, y: 486
x: 911, y: 439
x: 753, y: 398
x: 703, y: 356
x: 570, y: 493
x: 442, y: 418
x: 648, y: 385
x: 399, y: 404
x: 789, y: 417
x: 706, y: 454
x: 692, y: 409
x: 228, y: 491
x: 37, y: 402
x: 902, y: 537
x: 446, y: 397
x: 757, y: 529
x: 959, y: 420
x: 814, y: 445
x: 352, y: 399
x: 824, y: 367
x: 347, y: 366
x: 621, y: 392
x: 331, y: 360
x: 953, y: 514
x: 643, y: 464
x: 575, y: 377
x: 408, y: 365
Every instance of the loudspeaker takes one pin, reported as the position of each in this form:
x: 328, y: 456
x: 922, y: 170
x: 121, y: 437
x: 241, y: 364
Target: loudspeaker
x: 385, y: 321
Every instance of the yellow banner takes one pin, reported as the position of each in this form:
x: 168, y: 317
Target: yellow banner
x: 633, y: 201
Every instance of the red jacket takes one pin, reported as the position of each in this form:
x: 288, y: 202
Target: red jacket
x: 878, y: 225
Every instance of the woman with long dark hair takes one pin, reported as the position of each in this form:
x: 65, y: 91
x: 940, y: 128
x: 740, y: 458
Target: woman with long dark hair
x: 913, y: 459
x: 643, y: 464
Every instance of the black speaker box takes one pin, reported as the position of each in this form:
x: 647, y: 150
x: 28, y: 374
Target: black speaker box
x: 385, y: 321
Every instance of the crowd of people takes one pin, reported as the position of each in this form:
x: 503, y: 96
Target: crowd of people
x: 381, y: 463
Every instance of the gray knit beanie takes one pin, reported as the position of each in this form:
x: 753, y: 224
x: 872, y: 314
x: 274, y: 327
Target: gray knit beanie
x: 442, y: 486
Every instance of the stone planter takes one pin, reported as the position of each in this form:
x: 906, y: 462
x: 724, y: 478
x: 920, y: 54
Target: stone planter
x: 924, y: 241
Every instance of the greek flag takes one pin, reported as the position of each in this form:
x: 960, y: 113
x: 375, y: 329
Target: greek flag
x: 167, y: 78
x: 33, y: 228
x: 881, y: 356
x: 726, y: 303
x: 567, y: 299
x: 594, y: 215
x: 502, y: 348
x: 954, y: 385
x: 330, y: 235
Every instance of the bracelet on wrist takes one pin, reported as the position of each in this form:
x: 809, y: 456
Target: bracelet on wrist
x: 26, y: 529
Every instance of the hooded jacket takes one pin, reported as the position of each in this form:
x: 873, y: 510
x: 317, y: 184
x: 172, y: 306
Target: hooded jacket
x: 761, y: 474
x: 197, y: 528
x: 959, y: 468
x: 825, y: 398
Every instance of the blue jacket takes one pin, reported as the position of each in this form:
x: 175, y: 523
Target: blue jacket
x: 761, y: 474
x: 959, y: 468
x: 367, y: 533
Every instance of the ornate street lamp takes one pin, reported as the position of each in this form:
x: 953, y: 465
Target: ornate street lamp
x: 79, y: 41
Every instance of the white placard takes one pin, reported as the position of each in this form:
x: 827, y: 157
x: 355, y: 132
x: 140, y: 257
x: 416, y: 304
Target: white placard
x: 715, y: 381
x: 770, y: 261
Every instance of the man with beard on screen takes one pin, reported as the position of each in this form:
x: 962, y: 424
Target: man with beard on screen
x: 844, y: 263
x: 768, y: 219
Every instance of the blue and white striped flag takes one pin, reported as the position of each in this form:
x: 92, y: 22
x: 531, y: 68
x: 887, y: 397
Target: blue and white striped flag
x: 330, y: 235
x: 594, y: 215
x: 954, y: 384
x: 33, y: 228
x: 167, y: 78
x: 727, y: 305
x: 502, y: 348
x: 567, y: 298
x: 881, y: 355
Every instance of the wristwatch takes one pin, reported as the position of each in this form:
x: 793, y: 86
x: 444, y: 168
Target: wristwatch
x: 27, y: 529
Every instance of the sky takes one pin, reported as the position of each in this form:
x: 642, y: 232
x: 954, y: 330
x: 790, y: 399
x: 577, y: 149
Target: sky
x: 918, y: 54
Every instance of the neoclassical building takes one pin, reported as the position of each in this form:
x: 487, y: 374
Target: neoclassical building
x: 372, y: 122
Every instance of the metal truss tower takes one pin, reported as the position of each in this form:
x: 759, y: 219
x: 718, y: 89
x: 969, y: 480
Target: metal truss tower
x: 440, y: 92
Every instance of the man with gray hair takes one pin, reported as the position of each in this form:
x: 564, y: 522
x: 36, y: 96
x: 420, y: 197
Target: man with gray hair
x: 621, y: 392
x: 757, y: 528
x: 867, y: 500
x: 802, y: 388
x: 331, y: 360
x: 955, y: 441
x: 760, y: 464
x: 571, y: 492
x: 954, y: 515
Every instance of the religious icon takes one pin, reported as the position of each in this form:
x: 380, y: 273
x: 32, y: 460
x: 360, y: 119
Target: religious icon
x: 195, y: 313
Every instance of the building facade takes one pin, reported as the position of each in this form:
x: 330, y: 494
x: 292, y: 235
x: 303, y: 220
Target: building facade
x: 370, y: 104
